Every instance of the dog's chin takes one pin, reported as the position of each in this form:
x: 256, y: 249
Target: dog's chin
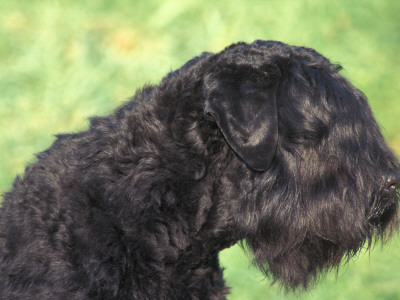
x: 383, y: 216
x: 298, y: 267
x: 297, y: 261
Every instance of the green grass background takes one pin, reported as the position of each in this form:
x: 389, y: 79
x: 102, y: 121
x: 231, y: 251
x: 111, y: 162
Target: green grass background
x: 63, y: 61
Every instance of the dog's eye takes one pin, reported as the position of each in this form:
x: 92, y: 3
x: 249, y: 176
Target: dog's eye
x: 310, y: 135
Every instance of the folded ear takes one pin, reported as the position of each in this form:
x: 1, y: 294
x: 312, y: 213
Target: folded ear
x: 244, y: 108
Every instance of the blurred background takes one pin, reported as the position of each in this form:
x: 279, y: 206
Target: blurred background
x: 64, y: 61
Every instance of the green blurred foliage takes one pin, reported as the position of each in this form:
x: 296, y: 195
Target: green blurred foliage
x: 64, y: 61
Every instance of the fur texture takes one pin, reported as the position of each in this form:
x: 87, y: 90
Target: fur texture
x: 264, y: 143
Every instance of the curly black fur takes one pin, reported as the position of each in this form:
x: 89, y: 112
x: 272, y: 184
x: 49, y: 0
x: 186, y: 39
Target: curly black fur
x: 264, y: 143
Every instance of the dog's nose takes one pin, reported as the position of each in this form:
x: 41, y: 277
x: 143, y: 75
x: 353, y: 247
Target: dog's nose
x: 392, y: 183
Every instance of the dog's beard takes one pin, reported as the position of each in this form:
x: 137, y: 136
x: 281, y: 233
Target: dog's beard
x: 295, y: 244
x: 383, y: 214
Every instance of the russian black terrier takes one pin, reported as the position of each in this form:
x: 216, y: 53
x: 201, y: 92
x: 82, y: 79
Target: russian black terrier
x: 263, y: 143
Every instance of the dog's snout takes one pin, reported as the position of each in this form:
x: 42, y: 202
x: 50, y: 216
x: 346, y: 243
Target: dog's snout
x: 392, y: 183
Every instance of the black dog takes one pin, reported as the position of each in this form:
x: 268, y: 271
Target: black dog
x: 264, y: 143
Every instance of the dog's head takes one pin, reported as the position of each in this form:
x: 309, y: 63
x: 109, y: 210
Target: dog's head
x: 321, y: 181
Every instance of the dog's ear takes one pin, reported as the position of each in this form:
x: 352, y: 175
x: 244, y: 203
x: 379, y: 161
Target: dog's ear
x: 244, y: 107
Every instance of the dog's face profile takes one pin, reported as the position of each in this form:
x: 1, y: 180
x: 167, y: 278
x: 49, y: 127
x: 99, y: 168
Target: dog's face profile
x: 320, y: 181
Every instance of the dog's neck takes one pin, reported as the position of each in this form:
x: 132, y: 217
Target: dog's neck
x: 186, y: 242
x: 173, y: 228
